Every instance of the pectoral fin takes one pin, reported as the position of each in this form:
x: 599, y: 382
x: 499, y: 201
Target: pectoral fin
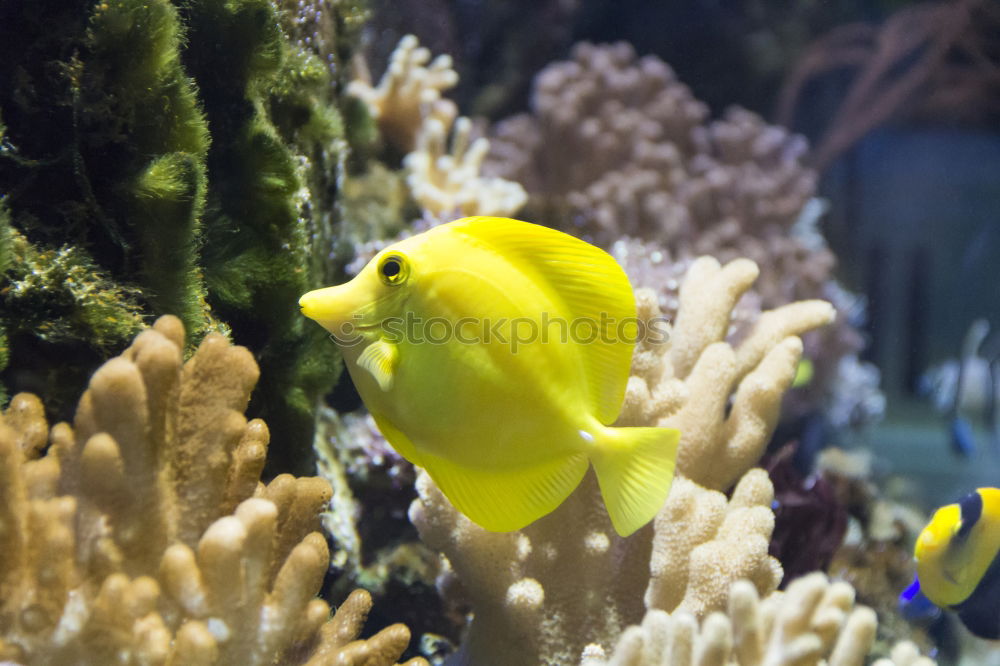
x: 379, y: 358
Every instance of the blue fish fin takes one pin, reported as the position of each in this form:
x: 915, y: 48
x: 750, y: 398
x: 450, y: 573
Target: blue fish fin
x: 379, y: 358
x: 914, y: 605
x: 635, y: 468
x: 507, y: 499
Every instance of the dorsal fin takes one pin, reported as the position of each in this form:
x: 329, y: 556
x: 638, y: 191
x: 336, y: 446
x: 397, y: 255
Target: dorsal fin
x: 586, y: 281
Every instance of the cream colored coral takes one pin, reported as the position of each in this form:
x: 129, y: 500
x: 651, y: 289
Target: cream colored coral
x: 538, y: 594
x: 409, y: 86
x: 702, y: 544
x: 144, y: 536
x: 530, y: 584
x: 446, y: 181
x: 725, y: 401
x: 814, y: 622
x: 443, y: 161
x: 905, y: 654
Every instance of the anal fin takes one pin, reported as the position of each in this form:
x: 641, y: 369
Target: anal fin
x: 502, y: 500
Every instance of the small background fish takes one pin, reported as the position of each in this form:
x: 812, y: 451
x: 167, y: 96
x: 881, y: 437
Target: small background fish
x: 958, y: 563
x: 967, y: 389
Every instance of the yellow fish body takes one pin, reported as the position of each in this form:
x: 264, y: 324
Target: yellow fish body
x: 469, y: 344
x: 958, y: 560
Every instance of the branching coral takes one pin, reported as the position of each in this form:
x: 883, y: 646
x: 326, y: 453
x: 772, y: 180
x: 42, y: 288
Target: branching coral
x: 814, y: 622
x: 143, y: 534
x: 703, y: 543
x: 928, y: 60
x: 634, y: 158
x: 445, y: 182
x: 498, y: 47
x: 524, y: 587
x: 409, y: 86
x: 687, y: 383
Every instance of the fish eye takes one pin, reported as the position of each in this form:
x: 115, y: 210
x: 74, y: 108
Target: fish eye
x: 393, y: 270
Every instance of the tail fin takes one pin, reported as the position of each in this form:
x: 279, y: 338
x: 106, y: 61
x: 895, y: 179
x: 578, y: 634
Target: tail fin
x: 635, y: 467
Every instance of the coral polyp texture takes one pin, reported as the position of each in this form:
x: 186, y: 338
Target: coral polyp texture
x: 687, y: 383
x: 143, y: 535
x: 636, y: 158
x: 525, y: 588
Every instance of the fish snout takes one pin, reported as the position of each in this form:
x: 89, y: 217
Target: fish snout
x: 330, y: 307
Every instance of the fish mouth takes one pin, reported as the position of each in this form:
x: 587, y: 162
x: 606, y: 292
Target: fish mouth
x: 366, y: 327
x: 354, y: 322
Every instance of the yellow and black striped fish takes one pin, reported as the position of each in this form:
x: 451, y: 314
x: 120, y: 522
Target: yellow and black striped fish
x: 958, y: 561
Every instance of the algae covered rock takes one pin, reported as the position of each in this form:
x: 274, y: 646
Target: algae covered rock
x: 163, y: 157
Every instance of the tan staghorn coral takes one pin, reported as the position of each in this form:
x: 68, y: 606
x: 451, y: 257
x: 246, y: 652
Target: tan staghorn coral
x: 524, y: 587
x: 687, y: 383
x: 813, y: 623
x: 144, y: 536
x: 408, y: 88
x: 702, y: 543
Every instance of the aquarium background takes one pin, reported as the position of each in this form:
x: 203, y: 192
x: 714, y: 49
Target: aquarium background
x: 212, y: 161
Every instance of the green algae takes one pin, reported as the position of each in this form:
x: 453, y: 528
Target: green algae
x: 273, y: 122
x: 102, y: 172
x: 174, y: 158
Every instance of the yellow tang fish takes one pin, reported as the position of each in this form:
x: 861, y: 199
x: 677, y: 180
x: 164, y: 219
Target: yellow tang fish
x: 958, y: 560
x: 494, y: 353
